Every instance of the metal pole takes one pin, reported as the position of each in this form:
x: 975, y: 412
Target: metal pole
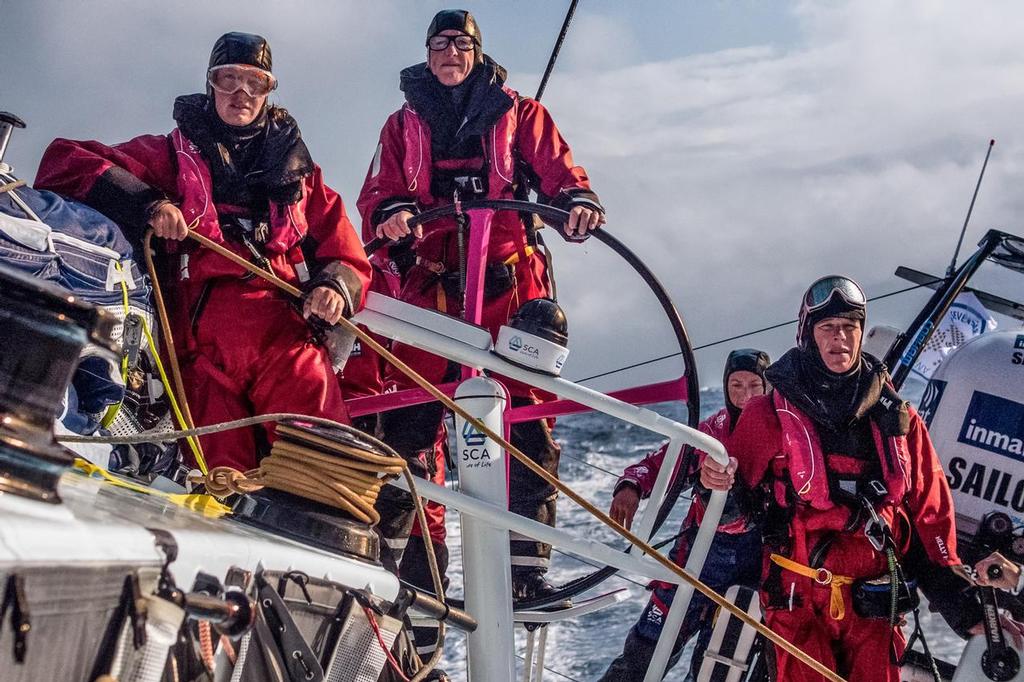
x: 908, y: 347
x: 684, y: 593
x: 8, y: 122
x: 485, y: 552
x: 959, y: 242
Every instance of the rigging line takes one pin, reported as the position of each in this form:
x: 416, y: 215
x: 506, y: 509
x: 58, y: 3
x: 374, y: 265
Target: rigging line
x: 732, y: 338
x: 556, y: 49
x: 589, y: 464
x: 593, y: 565
x: 550, y: 670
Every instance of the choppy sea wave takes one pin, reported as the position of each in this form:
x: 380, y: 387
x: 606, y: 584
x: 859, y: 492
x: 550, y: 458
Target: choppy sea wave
x: 595, y: 449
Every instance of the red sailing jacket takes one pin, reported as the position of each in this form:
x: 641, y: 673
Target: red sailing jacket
x: 401, y: 170
x: 171, y: 165
x: 644, y: 473
x: 791, y: 448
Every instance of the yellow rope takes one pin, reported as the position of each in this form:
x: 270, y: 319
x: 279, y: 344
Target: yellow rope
x: 206, y: 505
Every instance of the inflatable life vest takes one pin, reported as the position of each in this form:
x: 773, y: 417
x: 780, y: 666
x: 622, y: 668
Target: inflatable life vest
x: 816, y: 481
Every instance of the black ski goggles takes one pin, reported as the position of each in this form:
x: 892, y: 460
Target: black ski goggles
x: 822, y: 291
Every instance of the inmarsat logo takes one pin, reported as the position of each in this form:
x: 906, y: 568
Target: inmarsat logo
x: 994, y: 424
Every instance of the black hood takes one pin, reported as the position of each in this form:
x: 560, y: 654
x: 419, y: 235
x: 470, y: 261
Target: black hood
x: 743, y: 360
x: 457, y: 116
x: 835, y: 401
x: 263, y: 161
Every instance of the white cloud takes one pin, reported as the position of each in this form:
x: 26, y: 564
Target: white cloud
x: 743, y: 174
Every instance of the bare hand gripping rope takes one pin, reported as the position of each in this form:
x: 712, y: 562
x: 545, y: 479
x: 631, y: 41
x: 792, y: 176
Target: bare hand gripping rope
x: 769, y: 634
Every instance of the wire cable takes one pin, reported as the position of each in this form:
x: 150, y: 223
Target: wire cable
x: 728, y: 339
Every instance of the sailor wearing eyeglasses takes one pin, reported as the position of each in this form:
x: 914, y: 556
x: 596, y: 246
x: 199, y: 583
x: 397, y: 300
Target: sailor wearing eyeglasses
x: 237, y: 171
x: 462, y: 132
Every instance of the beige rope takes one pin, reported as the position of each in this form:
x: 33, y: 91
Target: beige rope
x: 677, y: 570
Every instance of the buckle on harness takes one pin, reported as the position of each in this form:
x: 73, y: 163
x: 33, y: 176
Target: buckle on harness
x: 471, y: 184
x: 823, y: 577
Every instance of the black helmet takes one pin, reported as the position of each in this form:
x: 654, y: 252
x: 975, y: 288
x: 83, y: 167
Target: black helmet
x: 241, y: 48
x: 831, y: 296
x: 544, y: 318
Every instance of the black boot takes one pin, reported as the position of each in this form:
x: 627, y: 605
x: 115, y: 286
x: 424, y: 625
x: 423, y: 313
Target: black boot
x: 531, y: 584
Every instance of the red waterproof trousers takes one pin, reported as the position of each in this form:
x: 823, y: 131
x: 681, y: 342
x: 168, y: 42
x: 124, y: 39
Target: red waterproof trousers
x: 254, y: 354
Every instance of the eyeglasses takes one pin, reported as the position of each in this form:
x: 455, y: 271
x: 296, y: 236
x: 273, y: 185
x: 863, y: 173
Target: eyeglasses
x: 230, y: 78
x: 440, y: 43
x: 822, y: 291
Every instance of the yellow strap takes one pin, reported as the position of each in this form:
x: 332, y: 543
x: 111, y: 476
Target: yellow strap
x: 207, y: 505
x: 823, y: 577
x: 514, y: 258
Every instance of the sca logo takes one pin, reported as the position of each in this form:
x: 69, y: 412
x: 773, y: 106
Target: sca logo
x: 517, y: 344
x: 995, y: 424
x: 472, y: 437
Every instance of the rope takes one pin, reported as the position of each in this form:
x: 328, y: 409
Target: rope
x: 548, y: 478
x: 7, y: 187
x: 183, y: 414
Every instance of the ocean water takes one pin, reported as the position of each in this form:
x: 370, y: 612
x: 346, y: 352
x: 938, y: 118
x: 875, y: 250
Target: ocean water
x: 595, y: 449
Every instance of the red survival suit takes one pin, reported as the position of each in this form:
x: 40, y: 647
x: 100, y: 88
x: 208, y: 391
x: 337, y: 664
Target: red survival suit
x: 243, y: 347
x: 811, y: 523
x: 419, y: 163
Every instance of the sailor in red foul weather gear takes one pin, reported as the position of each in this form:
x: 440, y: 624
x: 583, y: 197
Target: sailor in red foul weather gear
x: 857, y: 496
x: 237, y: 171
x: 735, y: 554
x: 461, y: 130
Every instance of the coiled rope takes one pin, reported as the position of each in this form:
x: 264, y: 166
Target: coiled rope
x: 677, y: 570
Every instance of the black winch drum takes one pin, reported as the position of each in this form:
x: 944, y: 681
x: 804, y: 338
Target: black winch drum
x: 43, y: 330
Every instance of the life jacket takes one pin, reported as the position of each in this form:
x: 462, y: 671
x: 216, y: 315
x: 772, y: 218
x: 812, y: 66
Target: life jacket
x: 417, y: 161
x: 287, y: 222
x: 812, y: 477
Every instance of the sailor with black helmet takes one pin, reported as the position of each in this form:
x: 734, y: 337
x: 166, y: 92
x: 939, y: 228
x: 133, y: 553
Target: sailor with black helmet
x: 237, y: 171
x: 858, y: 503
x: 462, y: 131
x: 735, y: 554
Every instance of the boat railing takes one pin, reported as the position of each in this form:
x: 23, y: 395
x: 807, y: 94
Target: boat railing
x: 490, y: 651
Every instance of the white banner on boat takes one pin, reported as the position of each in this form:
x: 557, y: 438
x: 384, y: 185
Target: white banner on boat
x: 965, y: 319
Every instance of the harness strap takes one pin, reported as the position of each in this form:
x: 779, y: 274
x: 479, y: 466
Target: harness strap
x: 823, y: 577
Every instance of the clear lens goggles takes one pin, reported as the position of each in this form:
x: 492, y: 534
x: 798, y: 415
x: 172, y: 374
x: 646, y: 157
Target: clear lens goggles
x: 822, y: 291
x: 230, y: 78
x: 440, y: 43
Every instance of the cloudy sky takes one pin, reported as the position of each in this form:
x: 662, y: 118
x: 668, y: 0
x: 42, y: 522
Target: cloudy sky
x: 741, y: 148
